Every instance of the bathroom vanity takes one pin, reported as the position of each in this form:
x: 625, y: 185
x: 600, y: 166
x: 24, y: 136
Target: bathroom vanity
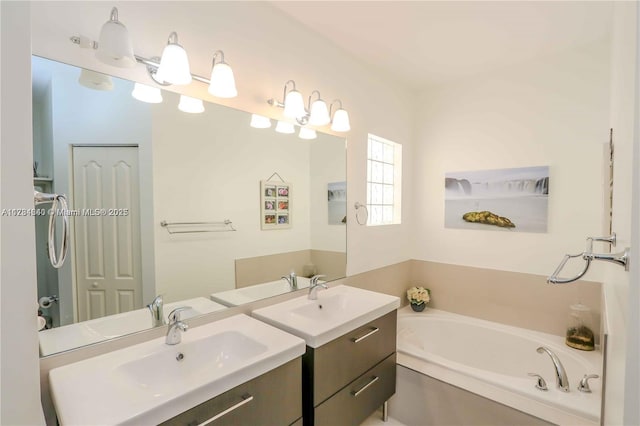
x: 223, y: 372
x: 253, y: 402
x: 349, y: 366
x: 348, y: 378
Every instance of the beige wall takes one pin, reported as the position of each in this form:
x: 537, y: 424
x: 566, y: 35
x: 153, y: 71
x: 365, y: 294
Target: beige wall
x: 518, y: 299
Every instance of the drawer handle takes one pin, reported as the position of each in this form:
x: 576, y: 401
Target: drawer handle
x: 362, y: 389
x: 245, y: 400
x: 374, y: 330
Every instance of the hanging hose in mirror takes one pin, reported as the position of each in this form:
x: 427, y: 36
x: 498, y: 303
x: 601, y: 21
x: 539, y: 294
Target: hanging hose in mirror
x: 59, y: 207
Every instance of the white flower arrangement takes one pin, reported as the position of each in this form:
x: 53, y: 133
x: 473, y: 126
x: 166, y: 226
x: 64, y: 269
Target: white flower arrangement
x: 418, y: 295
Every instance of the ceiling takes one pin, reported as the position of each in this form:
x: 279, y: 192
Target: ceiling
x: 422, y: 43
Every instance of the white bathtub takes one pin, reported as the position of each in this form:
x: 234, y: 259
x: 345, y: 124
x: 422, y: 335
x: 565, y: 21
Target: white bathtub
x: 492, y: 360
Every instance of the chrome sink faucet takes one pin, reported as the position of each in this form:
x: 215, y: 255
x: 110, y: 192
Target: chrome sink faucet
x: 157, y: 312
x: 313, y: 286
x: 292, y: 279
x: 176, y: 327
x: 561, y: 376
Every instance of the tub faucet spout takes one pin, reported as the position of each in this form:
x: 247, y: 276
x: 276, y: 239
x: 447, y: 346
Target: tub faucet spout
x: 561, y: 375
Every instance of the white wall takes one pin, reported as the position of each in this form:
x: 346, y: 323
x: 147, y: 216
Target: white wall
x: 552, y: 111
x: 208, y: 167
x: 19, y: 376
x: 328, y: 164
x: 621, y: 298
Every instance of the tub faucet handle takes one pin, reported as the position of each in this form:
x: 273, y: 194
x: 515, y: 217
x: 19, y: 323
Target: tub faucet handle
x: 540, y: 383
x: 584, y: 382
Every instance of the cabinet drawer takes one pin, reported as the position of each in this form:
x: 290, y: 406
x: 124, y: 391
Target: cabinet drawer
x: 340, y: 361
x: 353, y: 404
x: 253, y: 403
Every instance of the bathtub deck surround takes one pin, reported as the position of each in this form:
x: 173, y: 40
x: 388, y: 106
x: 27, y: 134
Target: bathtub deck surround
x: 493, y: 361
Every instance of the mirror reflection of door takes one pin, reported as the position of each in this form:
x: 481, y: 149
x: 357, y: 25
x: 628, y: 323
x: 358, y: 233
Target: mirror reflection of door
x: 107, y: 251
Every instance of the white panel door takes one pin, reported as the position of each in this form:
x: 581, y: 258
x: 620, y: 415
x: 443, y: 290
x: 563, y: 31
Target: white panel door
x: 106, y: 197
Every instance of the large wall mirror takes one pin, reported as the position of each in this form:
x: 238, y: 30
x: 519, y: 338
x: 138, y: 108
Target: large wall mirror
x: 222, y: 186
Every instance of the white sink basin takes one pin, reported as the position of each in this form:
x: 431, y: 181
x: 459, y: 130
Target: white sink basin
x: 240, y: 296
x: 337, y: 311
x: 160, y: 370
x: 83, y: 333
x: 150, y: 382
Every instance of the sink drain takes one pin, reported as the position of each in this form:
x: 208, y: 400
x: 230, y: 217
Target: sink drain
x: 180, y: 357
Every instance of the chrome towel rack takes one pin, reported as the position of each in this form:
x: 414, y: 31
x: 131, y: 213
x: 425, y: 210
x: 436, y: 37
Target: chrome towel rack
x: 588, y: 255
x: 196, y: 227
x: 358, y: 206
x: 59, y: 207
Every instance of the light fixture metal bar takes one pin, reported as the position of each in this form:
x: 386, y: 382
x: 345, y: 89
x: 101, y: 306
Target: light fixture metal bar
x: 146, y: 61
x: 156, y: 65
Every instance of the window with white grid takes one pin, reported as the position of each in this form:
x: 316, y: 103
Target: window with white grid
x: 384, y: 181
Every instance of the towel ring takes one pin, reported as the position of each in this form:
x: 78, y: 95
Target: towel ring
x: 359, y: 206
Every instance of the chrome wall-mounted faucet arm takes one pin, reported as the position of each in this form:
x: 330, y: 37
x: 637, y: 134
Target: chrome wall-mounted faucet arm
x: 561, y: 375
x: 588, y: 255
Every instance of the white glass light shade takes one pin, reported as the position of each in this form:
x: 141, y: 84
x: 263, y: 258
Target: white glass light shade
x: 223, y: 84
x: 319, y: 113
x: 294, y: 105
x: 260, y: 121
x: 174, y: 65
x: 340, y: 121
x: 284, y: 127
x: 307, y: 133
x: 145, y: 93
x: 95, y: 80
x: 190, y: 105
x: 114, y: 44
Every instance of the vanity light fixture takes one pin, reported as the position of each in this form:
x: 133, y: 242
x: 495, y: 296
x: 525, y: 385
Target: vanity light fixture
x: 340, y: 120
x: 307, y: 133
x: 293, y: 103
x: 114, y: 48
x: 260, y: 121
x: 95, y: 80
x: 190, y: 105
x: 285, y: 127
x: 174, y: 63
x: 318, y: 111
x: 114, y: 45
x: 222, y: 84
x: 145, y: 93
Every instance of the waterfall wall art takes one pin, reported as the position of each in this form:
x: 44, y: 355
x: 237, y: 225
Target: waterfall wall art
x: 505, y: 200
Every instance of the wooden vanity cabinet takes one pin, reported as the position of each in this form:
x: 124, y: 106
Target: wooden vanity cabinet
x: 347, y: 379
x: 272, y: 399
